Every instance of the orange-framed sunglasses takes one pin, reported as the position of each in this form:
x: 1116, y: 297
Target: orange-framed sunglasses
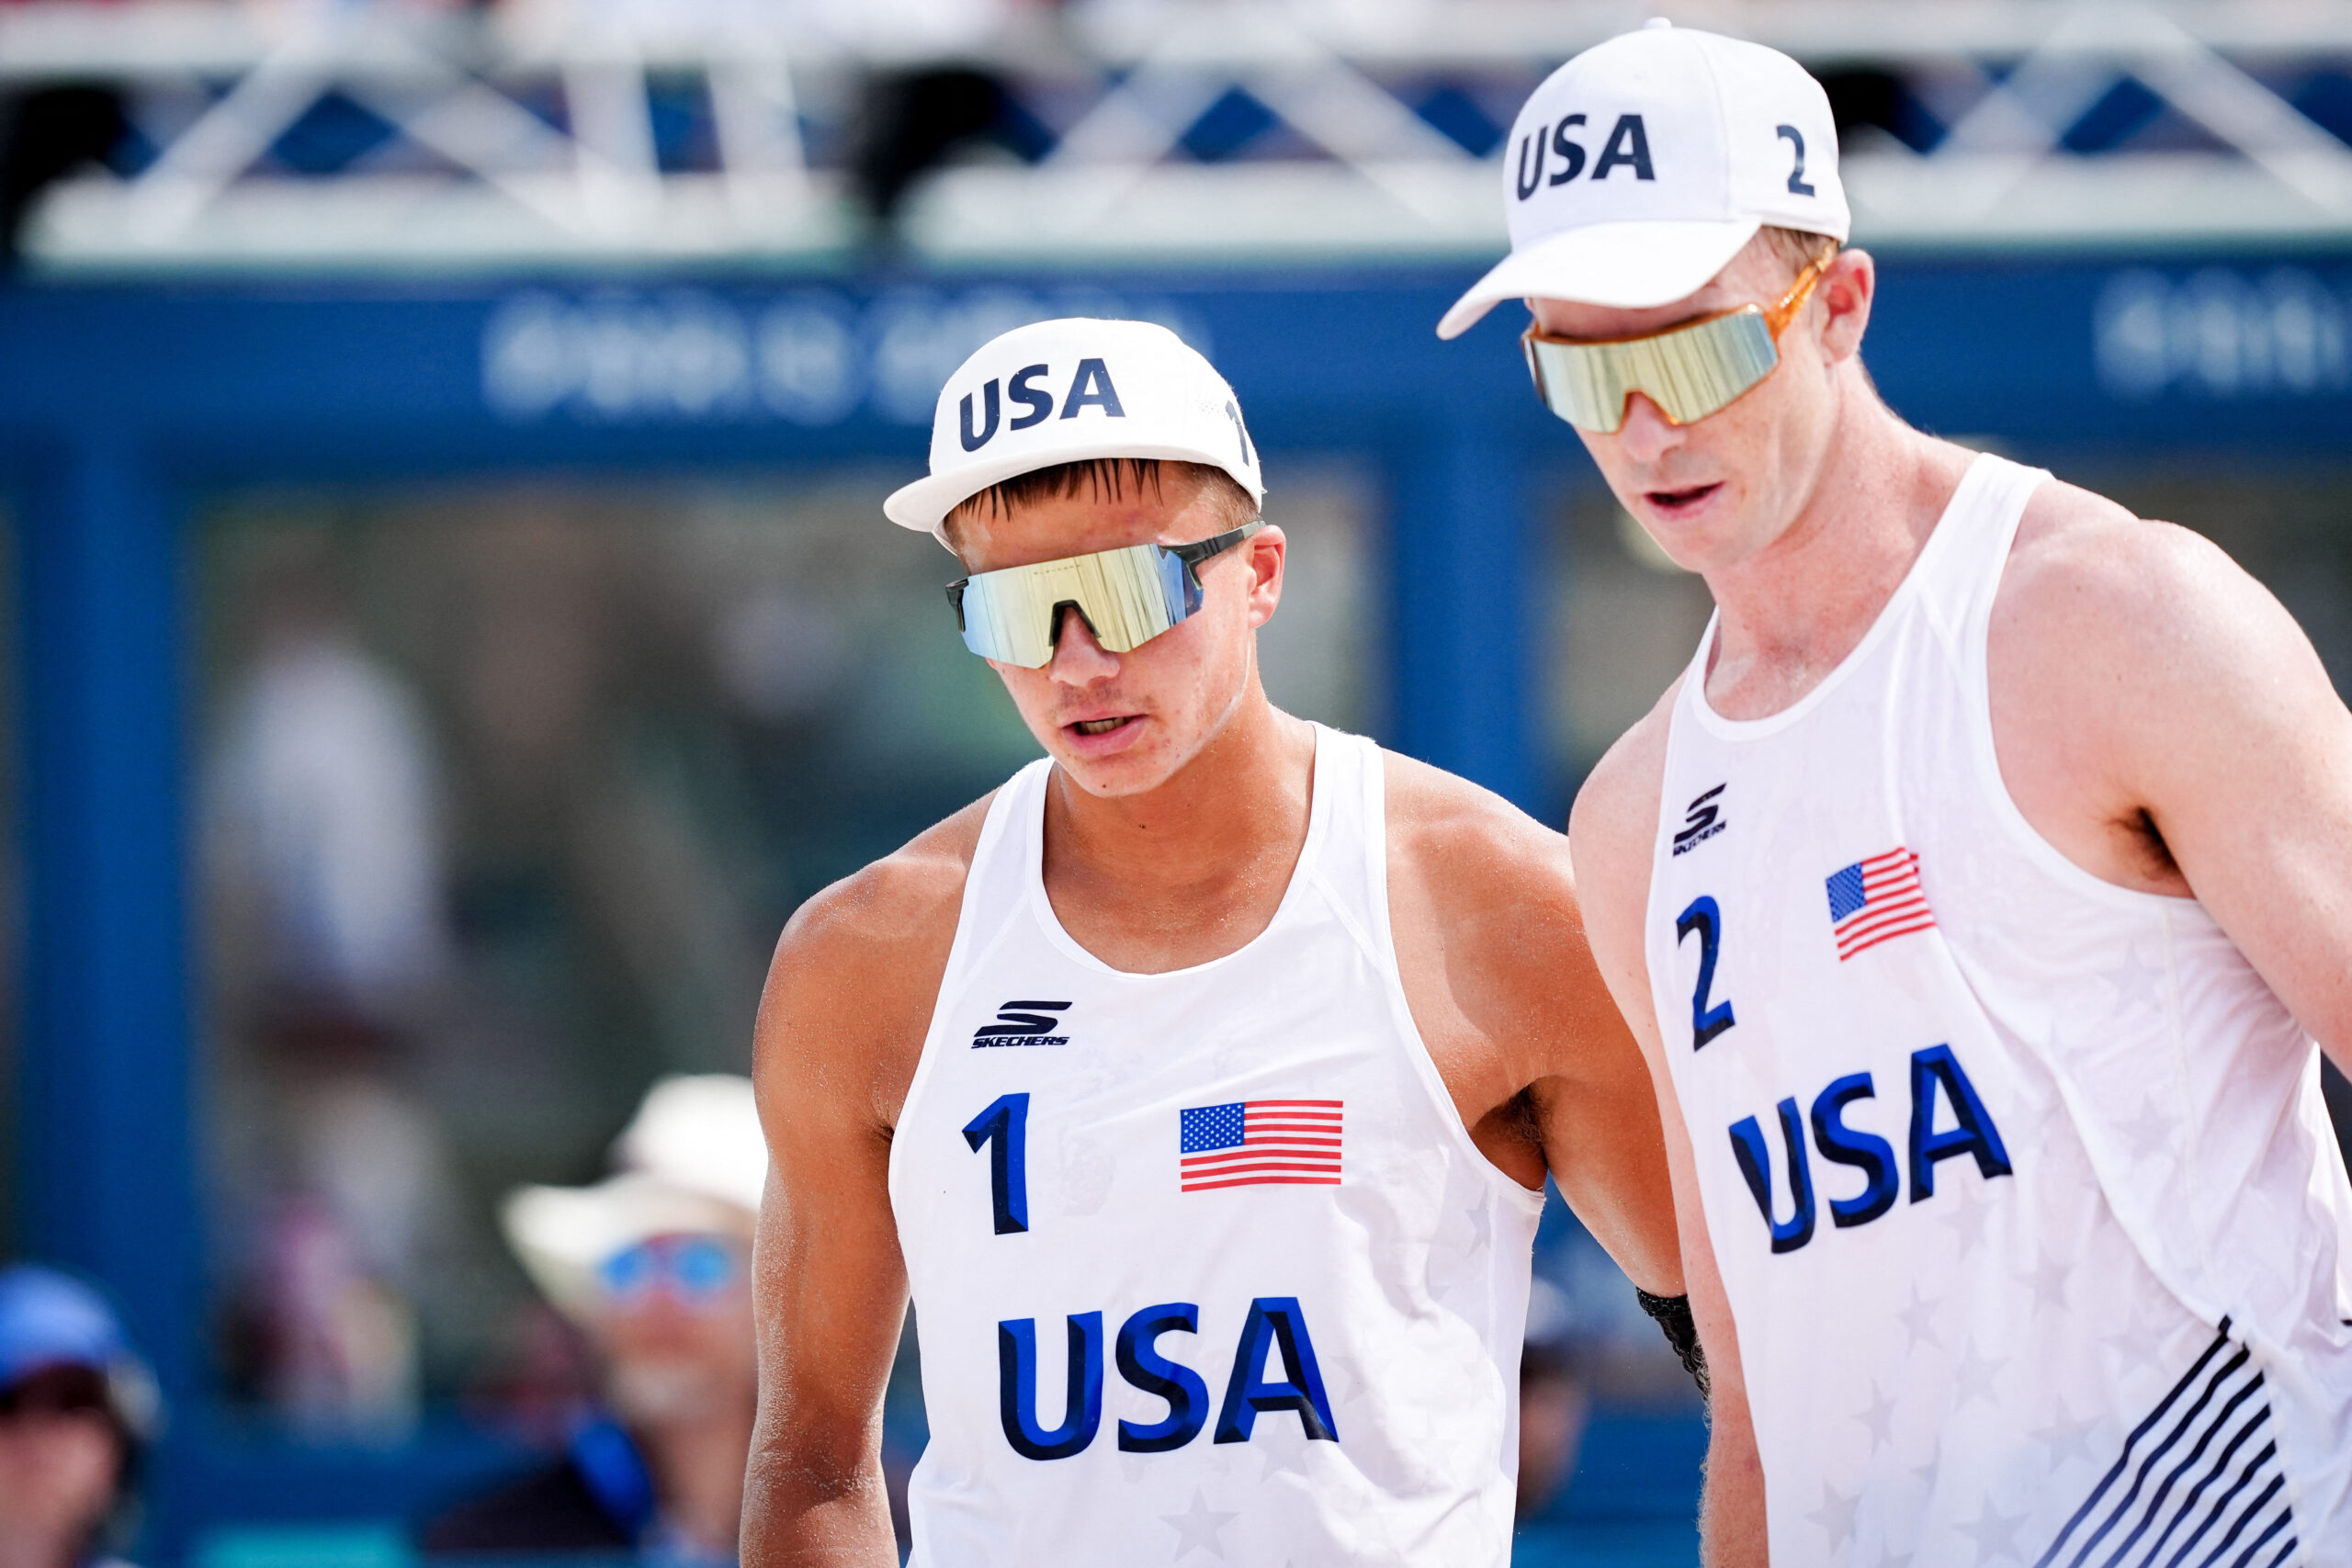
x: 1689, y: 371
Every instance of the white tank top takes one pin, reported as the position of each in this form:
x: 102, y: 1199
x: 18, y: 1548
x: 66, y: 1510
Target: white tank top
x: 2020, y: 1182
x: 1204, y: 1262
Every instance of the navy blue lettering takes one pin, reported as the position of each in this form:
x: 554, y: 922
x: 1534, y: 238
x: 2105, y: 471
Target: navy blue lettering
x: 1756, y: 1164
x: 1867, y: 1152
x: 1529, y: 184
x: 1141, y: 1364
x: 1092, y: 387
x: 1704, y: 917
x: 1629, y: 145
x: 1974, y: 1134
x: 1038, y: 402
x: 976, y: 439
x: 1571, y: 155
x: 1274, y: 1321
x: 1016, y: 1367
x: 1004, y: 1126
x: 1796, y: 138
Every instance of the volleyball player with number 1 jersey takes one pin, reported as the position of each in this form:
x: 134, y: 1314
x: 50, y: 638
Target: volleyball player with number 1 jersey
x: 1201, y: 1082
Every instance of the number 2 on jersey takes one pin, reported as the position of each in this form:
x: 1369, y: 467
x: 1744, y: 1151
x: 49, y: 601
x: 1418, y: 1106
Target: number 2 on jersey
x: 1702, y: 917
x: 1005, y: 1126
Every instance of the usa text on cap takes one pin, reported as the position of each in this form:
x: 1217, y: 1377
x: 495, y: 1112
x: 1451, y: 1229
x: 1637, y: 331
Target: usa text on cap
x: 1639, y: 169
x: 1067, y: 391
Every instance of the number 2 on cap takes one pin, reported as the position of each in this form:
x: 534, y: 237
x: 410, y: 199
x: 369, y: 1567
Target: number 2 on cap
x: 1796, y: 138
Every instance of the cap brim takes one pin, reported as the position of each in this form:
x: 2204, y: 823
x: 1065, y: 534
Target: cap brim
x: 1626, y: 266
x: 923, y: 504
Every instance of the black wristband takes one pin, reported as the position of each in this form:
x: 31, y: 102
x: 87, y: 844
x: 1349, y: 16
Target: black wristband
x: 1673, y: 1314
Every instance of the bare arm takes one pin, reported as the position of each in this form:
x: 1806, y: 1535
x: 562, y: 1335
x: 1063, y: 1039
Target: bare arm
x: 1611, y: 833
x: 2161, y: 718
x: 1491, y: 942
x: 849, y: 997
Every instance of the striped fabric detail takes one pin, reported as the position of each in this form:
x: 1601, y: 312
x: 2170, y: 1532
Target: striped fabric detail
x: 2199, y: 1484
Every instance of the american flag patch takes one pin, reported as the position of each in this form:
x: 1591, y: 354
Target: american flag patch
x: 1877, y: 900
x: 1249, y: 1142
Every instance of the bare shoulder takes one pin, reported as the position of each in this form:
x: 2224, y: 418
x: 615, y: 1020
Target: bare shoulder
x: 2080, y: 558
x: 2131, y: 615
x: 1612, y: 827
x: 1466, y: 844
x: 856, y: 972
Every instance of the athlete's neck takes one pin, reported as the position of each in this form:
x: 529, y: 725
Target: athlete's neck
x: 1195, y: 867
x: 1790, y: 613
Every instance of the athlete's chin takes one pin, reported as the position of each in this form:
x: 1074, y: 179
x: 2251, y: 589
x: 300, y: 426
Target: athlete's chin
x: 1695, y: 525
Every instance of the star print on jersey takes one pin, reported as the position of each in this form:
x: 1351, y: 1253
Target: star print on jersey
x: 2064, y: 1442
x: 1878, y: 1418
x: 1197, y: 1528
x: 1974, y: 1375
x: 1835, y: 1515
x: 2049, y: 1280
x: 1876, y: 900
x: 1994, y: 1533
x: 1918, y: 1320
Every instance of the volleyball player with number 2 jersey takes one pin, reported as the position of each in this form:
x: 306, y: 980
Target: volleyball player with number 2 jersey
x: 1201, y: 1082
x: 1977, y: 894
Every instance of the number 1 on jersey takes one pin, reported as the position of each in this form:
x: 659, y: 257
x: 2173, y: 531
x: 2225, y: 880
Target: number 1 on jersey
x: 1702, y: 917
x: 1006, y: 1124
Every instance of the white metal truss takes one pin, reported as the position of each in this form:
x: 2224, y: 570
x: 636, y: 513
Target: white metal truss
x: 1371, y: 176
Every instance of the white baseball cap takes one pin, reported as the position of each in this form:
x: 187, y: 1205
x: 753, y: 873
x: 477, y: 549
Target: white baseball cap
x: 1639, y: 169
x: 1067, y: 391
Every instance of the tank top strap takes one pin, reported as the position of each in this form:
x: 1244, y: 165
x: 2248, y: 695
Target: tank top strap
x: 1012, y: 840
x: 1348, y: 848
x: 1961, y: 567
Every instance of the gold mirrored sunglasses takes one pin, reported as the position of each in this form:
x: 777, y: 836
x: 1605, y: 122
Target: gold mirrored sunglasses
x: 1689, y: 371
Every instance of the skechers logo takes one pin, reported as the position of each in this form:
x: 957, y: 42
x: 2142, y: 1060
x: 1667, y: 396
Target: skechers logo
x: 1024, y: 1023
x: 1700, y: 823
x: 1090, y: 387
x: 1628, y: 147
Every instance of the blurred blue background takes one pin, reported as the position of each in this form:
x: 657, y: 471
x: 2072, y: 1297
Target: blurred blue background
x: 441, y: 450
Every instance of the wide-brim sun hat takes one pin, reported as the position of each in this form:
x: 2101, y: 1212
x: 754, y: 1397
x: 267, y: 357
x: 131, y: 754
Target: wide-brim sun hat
x: 693, y: 1161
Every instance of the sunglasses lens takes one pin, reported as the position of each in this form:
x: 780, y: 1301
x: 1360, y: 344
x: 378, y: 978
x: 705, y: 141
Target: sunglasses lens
x: 694, y: 1269
x: 1689, y: 373
x: 1128, y: 597
x: 628, y: 1273
x: 702, y: 1267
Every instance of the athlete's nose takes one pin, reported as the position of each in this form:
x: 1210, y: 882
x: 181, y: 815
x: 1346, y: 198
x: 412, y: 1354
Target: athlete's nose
x: 1079, y: 660
x: 1647, y: 434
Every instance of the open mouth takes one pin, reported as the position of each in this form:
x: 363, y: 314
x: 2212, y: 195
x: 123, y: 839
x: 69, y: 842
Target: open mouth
x: 1101, y: 726
x: 1681, y: 500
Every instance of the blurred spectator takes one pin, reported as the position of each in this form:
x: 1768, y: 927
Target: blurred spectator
x: 654, y: 1266
x: 324, y: 835
x: 76, y: 1403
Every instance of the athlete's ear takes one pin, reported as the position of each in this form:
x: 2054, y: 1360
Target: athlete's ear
x: 1845, y: 291
x: 1265, y: 551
